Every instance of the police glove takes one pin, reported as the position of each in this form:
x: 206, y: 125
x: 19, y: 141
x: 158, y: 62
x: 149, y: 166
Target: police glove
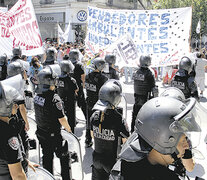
x: 27, y: 82
x: 187, y: 154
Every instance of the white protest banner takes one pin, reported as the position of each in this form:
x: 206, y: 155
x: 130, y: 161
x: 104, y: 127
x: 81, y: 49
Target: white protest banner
x: 60, y: 35
x: 66, y: 33
x: 4, y: 9
x: 163, y: 34
x: 19, y: 27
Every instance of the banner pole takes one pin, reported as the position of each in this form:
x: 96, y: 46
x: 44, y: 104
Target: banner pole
x: 190, y: 48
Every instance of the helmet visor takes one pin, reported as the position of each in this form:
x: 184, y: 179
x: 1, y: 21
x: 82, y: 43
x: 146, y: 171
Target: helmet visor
x: 189, y: 120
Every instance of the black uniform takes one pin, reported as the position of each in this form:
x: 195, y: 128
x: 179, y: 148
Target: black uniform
x: 78, y: 71
x: 15, y: 58
x: 106, y: 130
x: 144, y: 170
x: 66, y: 90
x: 112, y: 73
x: 3, y: 71
x: 11, y: 150
x: 144, y: 82
x: 48, y: 109
x: 93, y: 83
x: 186, y: 83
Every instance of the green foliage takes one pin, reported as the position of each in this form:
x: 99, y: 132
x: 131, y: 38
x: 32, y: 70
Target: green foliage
x: 199, y: 11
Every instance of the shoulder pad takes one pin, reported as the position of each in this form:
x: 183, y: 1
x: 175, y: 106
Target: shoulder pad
x: 192, y: 84
x: 56, y: 98
x: 131, y: 151
x: 73, y: 80
x: 180, y: 73
x: 95, y: 116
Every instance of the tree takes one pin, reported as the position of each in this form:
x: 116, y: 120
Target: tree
x: 199, y: 12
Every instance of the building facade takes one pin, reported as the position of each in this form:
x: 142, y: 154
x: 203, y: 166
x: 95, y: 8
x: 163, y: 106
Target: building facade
x: 50, y: 13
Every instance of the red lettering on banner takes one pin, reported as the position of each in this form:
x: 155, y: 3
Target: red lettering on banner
x: 5, y: 32
x: 21, y: 4
x: 20, y: 17
x: 28, y: 14
x: 24, y: 36
x: 36, y: 31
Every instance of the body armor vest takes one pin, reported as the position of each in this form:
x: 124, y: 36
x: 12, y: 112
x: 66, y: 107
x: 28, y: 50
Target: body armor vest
x: 180, y: 81
x: 143, y: 81
x: 45, y: 118
x: 93, y: 83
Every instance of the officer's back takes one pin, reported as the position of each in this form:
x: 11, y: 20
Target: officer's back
x: 183, y: 80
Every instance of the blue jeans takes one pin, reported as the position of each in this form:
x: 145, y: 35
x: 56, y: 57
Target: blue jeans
x: 128, y: 72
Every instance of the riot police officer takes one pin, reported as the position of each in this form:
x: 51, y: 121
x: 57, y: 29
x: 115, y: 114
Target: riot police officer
x: 17, y: 53
x: 79, y: 75
x: 159, y: 140
x: 144, y: 86
x: 13, y: 162
x: 107, y: 125
x: 113, y: 72
x: 183, y: 80
x: 49, y: 114
x: 50, y: 57
x: 3, y: 66
x: 94, y: 81
x: 67, y: 90
x: 16, y: 71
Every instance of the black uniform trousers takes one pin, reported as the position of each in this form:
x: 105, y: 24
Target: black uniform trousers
x: 70, y: 112
x: 81, y: 101
x: 88, y: 122
x: 53, y: 143
x: 139, y: 101
x: 102, y: 165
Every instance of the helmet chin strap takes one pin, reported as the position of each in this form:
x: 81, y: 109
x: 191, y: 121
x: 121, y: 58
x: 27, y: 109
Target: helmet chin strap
x: 179, y: 167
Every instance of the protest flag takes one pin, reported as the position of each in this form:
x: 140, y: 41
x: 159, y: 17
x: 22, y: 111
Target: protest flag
x: 198, y: 28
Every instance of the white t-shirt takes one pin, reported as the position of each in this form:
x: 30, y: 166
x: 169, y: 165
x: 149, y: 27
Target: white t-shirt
x: 200, y: 64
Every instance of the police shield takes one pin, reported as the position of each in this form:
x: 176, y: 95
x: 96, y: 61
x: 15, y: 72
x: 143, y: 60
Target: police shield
x: 40, y: 174
x: 29, y: 96
x: 76, y: 156
x: 73, y: 147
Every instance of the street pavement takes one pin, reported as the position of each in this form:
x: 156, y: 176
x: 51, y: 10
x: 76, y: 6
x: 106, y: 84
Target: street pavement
x: 200, y: 167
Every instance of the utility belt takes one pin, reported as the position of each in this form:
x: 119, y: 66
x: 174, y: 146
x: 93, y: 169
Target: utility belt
x: 104, y: 155
x: 140, y: 99
x: 42, y: 133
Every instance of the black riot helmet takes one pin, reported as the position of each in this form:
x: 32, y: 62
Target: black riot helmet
x: 50, y: 56
x: 73, y: 56
x: 66, y: 67
x: 17, y: 51
x: 186, y: 64
x: 47, y: 77
x: 110, y: 95
x: 145, y: 61
x: 3, y: 60
x: 99, y: 63
x: 164, y: 125
x: 174, y: 93
x: 110, y: 59
x: 15, y: 68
